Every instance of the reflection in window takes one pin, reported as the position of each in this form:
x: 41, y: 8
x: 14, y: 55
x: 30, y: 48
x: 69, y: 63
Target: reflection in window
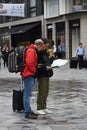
x: 78, y: 5
x: 32, y: 3
x: 52, y: 8
x: 77, y: 2
x: 32, y: 8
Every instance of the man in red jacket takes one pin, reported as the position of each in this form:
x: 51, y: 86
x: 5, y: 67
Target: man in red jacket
x: 28, y: 73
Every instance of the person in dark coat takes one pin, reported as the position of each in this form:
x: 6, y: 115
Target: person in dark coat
x: 43, y: 79
x: 5, y: 53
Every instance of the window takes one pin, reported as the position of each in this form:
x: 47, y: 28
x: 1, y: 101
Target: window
x: 84, y: 4
x: 77, y: 2
x: 32, y: 8
x: 52, y: 8
x: 78, y: 5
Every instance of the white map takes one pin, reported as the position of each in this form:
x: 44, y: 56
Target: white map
x: 59, y: 62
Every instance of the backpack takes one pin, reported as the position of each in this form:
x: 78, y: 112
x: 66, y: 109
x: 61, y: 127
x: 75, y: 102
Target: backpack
x: 16, y: 59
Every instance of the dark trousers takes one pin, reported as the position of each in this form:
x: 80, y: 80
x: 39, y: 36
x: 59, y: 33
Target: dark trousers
x: 5, y: 63
x: 43, y: 89
x: 80, y: 61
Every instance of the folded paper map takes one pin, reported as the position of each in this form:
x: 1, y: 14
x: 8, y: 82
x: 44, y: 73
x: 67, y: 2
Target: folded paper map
x: 59, y: 62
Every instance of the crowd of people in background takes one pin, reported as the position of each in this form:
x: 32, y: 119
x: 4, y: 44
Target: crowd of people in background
x: 54, y: 51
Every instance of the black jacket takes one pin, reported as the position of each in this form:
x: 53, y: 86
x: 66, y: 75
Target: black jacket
x: 44, y: 60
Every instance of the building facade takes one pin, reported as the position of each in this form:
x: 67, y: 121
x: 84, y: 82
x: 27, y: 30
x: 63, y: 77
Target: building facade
x: 20, y: 29
x: 67, y: 20
x: 59, y: 20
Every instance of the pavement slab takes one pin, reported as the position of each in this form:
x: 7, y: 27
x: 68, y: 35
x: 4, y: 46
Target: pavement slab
x: 67, y: 99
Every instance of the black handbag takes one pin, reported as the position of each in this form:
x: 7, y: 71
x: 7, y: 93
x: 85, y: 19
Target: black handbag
x: 50, y: 73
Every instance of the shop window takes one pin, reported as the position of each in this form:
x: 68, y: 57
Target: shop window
x: 74, y: 36
x: 60, y: 40
x: 49, y: 31
x: 60, y: 30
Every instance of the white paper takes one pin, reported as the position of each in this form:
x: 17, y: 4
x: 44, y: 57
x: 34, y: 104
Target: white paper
x: 59, y: 62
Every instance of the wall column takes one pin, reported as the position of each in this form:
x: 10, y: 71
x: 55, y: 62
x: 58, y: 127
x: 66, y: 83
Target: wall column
x: 43, y: 28
x: 54, y: 33
x: 83, y: 31
x: 67, y: 38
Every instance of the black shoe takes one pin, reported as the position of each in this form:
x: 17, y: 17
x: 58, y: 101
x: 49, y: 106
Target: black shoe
x: 31, y: 115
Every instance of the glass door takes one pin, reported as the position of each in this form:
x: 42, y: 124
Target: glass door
x: 74, y: 36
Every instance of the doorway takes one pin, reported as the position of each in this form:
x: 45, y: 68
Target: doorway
x: 74, y: 36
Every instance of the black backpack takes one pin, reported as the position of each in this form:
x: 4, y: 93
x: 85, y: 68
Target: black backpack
x: 16, y: 59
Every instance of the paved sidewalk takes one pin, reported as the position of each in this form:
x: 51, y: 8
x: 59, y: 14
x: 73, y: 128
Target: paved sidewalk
x: 4, y: 73
x: 61, y: 73
x: 67, y: 99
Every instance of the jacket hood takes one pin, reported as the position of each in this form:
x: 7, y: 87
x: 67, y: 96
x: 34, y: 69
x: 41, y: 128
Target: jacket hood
x: 32, y: 46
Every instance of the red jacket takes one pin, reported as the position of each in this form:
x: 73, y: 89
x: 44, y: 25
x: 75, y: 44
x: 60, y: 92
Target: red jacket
x: 31, y: 62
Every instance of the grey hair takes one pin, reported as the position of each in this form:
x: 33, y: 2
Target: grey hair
x: 38, y: 42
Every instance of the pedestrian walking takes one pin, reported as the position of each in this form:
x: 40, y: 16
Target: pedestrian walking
x: 80, y: 52
x: 5, y: 52
x: 28, y: 76
x: 43, y: 79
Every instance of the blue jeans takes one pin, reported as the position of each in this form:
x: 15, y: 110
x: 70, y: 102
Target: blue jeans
x: 28, y: 86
